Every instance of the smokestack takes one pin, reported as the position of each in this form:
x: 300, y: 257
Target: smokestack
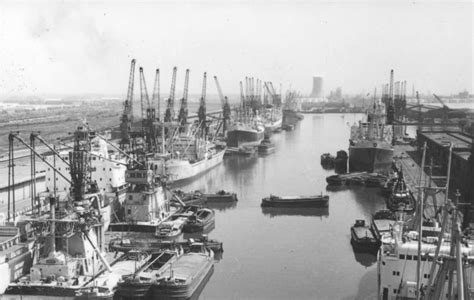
x: 317, y: 87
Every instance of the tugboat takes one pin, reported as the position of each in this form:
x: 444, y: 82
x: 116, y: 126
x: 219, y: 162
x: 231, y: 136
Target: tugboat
x: 296, y: 201
x: 401, y: 198
x: 200, y: 221
x: 362, y: 238
x: 327, y: 161
x: 186, y: 277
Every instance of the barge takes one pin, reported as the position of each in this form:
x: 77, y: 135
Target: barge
x: 296, y: 201
x: 362, y: 238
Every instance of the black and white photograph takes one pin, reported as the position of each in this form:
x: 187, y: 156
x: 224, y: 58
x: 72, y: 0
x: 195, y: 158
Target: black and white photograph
x: 236, y: 149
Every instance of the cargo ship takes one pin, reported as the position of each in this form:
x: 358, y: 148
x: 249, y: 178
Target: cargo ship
x: 190, y: 157
x: 73, y: 235
x: 242, y: 134
x: 370, y: 145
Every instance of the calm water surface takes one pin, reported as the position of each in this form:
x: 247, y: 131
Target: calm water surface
x: 301, y: 254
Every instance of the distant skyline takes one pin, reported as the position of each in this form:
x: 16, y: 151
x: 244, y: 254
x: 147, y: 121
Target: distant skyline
x: 82, y: 47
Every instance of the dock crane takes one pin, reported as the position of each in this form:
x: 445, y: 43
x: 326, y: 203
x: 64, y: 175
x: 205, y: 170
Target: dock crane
x: 446, y: 109
x: 143, y: 95
x: 156, y: 94
x: 169, y: 114
x: 183, y: 111
x: 225, y: 106
x: 148, y: 123
x: 202, y: 108
x: 127, y: 115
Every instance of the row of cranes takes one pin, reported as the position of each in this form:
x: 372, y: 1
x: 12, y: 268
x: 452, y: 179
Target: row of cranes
x: 251, y: 99
x: 152, y: 127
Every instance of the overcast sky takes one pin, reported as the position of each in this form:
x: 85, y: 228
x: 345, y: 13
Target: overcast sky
x: 86, y: 47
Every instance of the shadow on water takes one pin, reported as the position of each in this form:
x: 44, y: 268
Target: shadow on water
x: 366, y: 259
x: 296, y: 211
x: 366, y: 290
x: 198, y: 235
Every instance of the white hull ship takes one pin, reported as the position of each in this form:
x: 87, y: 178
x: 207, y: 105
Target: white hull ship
x: 191, y: 157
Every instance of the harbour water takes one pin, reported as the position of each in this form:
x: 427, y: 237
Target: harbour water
x: 302, y: 254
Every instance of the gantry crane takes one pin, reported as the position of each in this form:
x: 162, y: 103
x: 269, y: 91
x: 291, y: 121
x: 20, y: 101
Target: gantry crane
x: 225, y: 106
x: 169, y: 114
x: 183, y: 111
x: 127, y: 115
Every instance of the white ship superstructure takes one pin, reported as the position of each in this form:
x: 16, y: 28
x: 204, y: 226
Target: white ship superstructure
x: 397, y: 265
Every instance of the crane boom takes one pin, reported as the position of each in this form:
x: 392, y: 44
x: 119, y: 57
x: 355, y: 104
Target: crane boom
x: 143, y: 94
x: 183, y: 111
x: 169, y: 115
x: 127, y: 116
x: 131, y: 80
x: 202, y: 107
x: 156, y: 93
x: 219, y: 90
x: 440, y: 101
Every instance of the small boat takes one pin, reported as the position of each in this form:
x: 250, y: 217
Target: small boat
x: 200, y: 221
x: 242, y: 150
x: 340, y: 162
x: 266, y: 146
x: 170, y: 229
x: 401, y: 198
x: 375, y: 180
x: 288, y: 127
x: 296, y: 201
x: 335, y: 180
x: 138, y: 285
x: 327, y: 160
x: 362, y: 238
x: 186, y: 277
x: 151, y: 246
x: 220, y: 196
x: 189, y: 197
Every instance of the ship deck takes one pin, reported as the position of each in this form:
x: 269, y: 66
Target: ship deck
x: 406, y: 157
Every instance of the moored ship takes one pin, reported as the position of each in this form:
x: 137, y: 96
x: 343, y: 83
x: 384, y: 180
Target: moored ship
x: 242, y: 134
x: 370, y: 147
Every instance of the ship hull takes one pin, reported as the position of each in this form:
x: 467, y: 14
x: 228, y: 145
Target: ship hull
x: 243, y: 137
x: 370, y: 158
x: 290, y: 117
x: 179, y: 170
x: 274, y: 126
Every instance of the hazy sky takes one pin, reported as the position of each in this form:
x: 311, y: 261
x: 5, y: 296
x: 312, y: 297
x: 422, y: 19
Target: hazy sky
x: 67, y: 47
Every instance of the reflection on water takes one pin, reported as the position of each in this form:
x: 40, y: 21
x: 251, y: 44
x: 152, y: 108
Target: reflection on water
x: 296, y: 211
x: 275, y: 254
x: 221, y: 206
